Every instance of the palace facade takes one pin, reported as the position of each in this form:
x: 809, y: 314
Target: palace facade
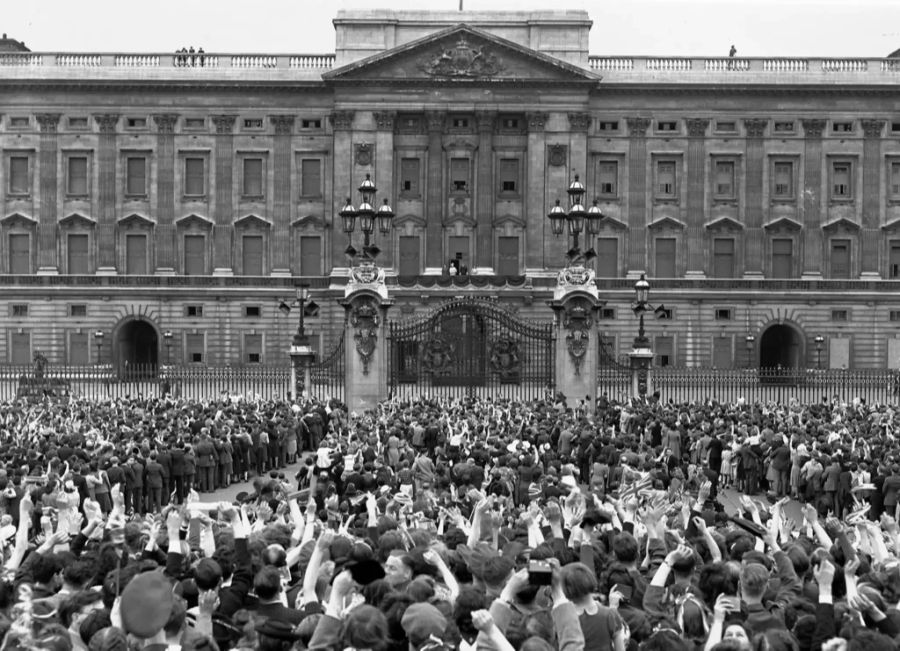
x: 171, y: 201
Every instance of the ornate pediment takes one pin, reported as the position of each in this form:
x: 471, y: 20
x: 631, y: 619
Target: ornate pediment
x: 416, y: 220
x: 77, y: 220
x: 841, y: 223
x: 612, y: 222
x: 462, y: 54
x: 194, y: 221
x: 308, y: 221
x: 252, y: 221
x: 783, y: 224
x: 515, y: 220
x: 18, y: 220
x: 893, y: 225
x: 724, y: 224
x: 135, y: 220
x: 666, y: 222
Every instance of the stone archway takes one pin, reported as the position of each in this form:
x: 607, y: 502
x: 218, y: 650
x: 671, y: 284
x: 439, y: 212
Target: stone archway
x: 136, y: 348
x: 781, y: 346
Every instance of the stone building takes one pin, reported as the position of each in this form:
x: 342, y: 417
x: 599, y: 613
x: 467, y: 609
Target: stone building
x: 187, y: 194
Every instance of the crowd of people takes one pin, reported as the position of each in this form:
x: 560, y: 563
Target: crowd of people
x: 433, y: 524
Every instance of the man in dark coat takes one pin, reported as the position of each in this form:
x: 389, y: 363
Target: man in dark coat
x: 164, y: 459
x: 177, y: 471
x: 137, y: 486
x: 153, y: 473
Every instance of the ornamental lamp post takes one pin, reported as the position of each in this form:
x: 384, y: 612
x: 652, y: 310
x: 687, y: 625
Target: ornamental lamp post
x: 300, y: 352
x: 577, y: 218
x: 749, y: 340
x: 167, y: 337
x: 820, y: 341
x: 98, y: 340
x: 368, y: 218
x: 641, y: 305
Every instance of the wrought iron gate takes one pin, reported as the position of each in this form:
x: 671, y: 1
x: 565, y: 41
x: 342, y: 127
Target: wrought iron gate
x: 471, y: 347
x: 327, y: 375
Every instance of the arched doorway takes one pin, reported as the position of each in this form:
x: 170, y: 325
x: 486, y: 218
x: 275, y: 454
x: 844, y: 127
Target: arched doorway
x: 137, y: 349
x: 780, y: 347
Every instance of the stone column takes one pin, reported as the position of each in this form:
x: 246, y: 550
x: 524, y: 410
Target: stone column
x: 47, y: 205
x: 165, y: 192
x: 535, y: 193
x: 434, y: 200
x: 637, y: 195
x: 343, y: 186
x: 281, y: 204
x: 870, y: 237
x: 696, y: 184
x: 754, y: 237
x: 813, y: 201
x: 384, y: 180
x: 223, y: 206
x: 576, y: 343
x: 106, y: 200
x: 366, y: 349
x: 486, y: 190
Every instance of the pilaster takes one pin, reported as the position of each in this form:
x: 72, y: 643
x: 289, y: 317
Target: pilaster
x: 754, y: 237
x: 487, y: 190
x: 281, y: 205
x: 871, y: 196
x: 535, y: 192
x: 47, y: 217
x: 165, y: 192
x: 812, y: 198
x: 637, y: 194
x: 696, y: 183
x: 434, y: 202
x: 106, y: 200
x: 342, y: 123
x: 223, y: 208
x: 384, y: 178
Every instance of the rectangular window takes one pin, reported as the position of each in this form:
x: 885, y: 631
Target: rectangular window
x: 608, y: 257
x: 20, y: 347
x: 19, y: 122
x: 508, y: 256
x: 77, y: 123
x: 723, y: 257
x: 784, y: 127
x: 459, y: 252
x: 722, y: 352
x: 459, y: 174
x: 509, y: 175
x: 194, y: 255
x: 253, y: 123
x: 136, y: 176
x: 782, y: 258
x: 665, y: 257
x: 315, y: 123
x: 724, y: 183
x: 895, y: 127
x: 252, y: 311
x: 609, y: 125
x: 78, y: 310
x: 663, y: 313
x: 135, y: 123
x: 194, y: 348
x: 840, y: 259
x: 510, y: 124
x: 665, y: 179
x: 252, y: 255
x: 460, y: 123
x: 723, y: 314
x: 894, y: 315
x: 253, y: 349
x: 310, y: 255
x: 842, y: 127
x: 409, y: 177
x: 726, y: 127
x: 253, y: 177
x: 18, y: 175
x: 664, y: 351
x: 77, y: 249
x: 895, y: 180
x: 409, y: 255
x: 194, y: 177
x: 194, y: 123
x: 667, y: 126
x: 839, y: 315
x: 310, y: 177
x: 608, y: 179
x: 19, y: 309
x: 19, y: 253
x: 193, y: 311
x: 77, y: 176
x: 79, y: 349
x: 608, y: 313
x: 136, y: 254
x: 894, y: 260
x: 841, y: 187
x: 783, y: 180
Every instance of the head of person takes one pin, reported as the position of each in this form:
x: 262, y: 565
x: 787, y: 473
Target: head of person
x: 578, y: 582
x: 398, y: 569
x: 754, y: 579
x: 365, y: 629
x: 267, y: 584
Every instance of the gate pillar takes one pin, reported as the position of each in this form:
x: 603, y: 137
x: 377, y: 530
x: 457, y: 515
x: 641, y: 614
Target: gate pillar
x: 577, y: 350
x: 366, y: 368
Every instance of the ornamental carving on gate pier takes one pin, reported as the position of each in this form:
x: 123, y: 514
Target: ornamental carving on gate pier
x: 577, y: 320
x: 364, y: 318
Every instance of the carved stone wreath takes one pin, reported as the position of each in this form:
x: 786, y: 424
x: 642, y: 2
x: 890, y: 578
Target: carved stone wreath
x: 577, y: 320
x: 557, y: 155
x: 364, y: 154
x: 364, y: 317
x: 437, y: 355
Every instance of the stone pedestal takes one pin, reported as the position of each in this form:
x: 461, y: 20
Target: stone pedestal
x: 641, y: 376
x: 575, y: 304
x: 302, y: 357
x: 366, y: 302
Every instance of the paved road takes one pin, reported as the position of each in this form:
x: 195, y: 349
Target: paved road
x: 228, y: 494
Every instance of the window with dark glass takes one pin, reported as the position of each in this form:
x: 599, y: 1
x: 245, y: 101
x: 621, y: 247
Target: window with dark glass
x: 509, y: 175
x: 311, y: 177
x: 723, y: 257
x: 841, y: 187
x: 79, y: 349
x: 409, y: 264
x: 664, y: 351
x: 194, y: 348
x: 608, y: 178
x: 194, y: 255
x: 894, y: 259
x: 409, y: 176
x: 136, y: 176
x: 252, y: 255
x: 253, y: 177
x: 508, y: 256
x: 77, y: 253
x: 194, y: 177
x: 665, y: 179
x: 77, y: 176
x: 894, y: 188
x: 18, y: 175
x: 608, y: 257
x: 136, y: 254
x: 252, y: 349
x: 19, y: 347
x: 840, y: 259
x: 310, y: 255
x: 783, y: 180
x: 665, y: 257
x: 19, y: 253
x: 724, y: 182
x: 459, y: 174
x: 782, y: 258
